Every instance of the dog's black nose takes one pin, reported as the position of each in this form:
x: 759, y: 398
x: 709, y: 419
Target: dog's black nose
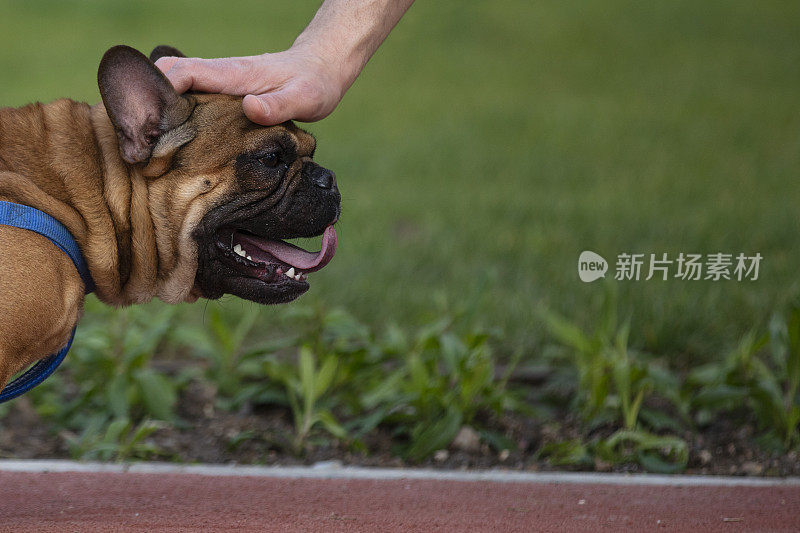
x: 323, y: 178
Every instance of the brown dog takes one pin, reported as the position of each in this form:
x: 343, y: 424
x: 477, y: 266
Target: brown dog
x: 169, y: 196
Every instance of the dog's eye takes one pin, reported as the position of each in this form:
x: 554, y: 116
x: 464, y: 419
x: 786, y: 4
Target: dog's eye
x: 269, y: 160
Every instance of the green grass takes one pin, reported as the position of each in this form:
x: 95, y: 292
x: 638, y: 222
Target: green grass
x: 487, y: 144
x: 342, y: 384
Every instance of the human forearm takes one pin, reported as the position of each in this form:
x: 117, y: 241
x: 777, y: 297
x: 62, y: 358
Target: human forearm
x: 347, y: 32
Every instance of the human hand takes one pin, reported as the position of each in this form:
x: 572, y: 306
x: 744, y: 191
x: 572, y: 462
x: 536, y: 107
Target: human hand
x: 294, y: 84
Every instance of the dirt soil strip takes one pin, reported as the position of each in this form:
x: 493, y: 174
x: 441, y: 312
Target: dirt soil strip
x: 71, y: 497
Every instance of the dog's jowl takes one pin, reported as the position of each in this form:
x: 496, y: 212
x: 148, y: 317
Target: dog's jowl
x: 171, y: 196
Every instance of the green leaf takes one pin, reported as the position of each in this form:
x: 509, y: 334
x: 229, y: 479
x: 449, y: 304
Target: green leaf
x: 659, y: 420
x: 566, y: 453
x: 653, y: 462
x: 158, y: 394
x: 222, y: 333
x: 117, y: 394
x: 331, y: 425
x: 144, y: 430
x: 720, y: 396
x: 707, y: 374
x: 497, y: 440
x: 791, y: 431
x: 427, y: 336
x: 325, y: 376
x: 386, y: 390
x: 431, y: 436
x: 363, y: 425
x: 395, y: 341
x: 244, y: 326
x: 452, y: 352
x: 793, y: 359
x: 269, y: 347
x: 344, y: 329
x: 659, y: 452
x: 420, y: 379
x: 115, y: 431
x: 307, y: 375
x: 566, y: 332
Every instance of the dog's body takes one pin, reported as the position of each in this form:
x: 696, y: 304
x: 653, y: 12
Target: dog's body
x: 151, y: 185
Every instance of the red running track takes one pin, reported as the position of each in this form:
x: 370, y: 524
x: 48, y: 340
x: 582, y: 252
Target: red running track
x: 188, y: 502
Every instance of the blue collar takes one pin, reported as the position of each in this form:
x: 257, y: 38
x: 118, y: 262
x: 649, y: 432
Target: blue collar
x: 22, y: 216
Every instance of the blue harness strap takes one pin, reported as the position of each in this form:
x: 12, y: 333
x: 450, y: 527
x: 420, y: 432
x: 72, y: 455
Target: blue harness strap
x: 22, y: 216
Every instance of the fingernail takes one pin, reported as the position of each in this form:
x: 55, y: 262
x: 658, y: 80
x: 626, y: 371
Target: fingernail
x: 260, y: 114
x: 264, y: 107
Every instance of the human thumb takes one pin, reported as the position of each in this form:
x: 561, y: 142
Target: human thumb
x: 267, y: 109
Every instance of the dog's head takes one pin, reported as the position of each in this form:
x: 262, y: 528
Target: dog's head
x: 225, y: 187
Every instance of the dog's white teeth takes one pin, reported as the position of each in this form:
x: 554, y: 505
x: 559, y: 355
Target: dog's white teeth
x: 249, y: 258
x: 238, y: 250
x: 297, y: 277
x: 290, y: 273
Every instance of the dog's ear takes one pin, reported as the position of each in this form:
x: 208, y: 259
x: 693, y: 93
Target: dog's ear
x: 163, y: 50
x: 147, y: 113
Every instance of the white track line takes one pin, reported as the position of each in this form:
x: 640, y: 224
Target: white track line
x: 332, y: 470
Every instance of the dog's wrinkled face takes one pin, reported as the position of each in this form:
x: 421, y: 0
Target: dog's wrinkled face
x: 280, y: 193
x: 227, y: 187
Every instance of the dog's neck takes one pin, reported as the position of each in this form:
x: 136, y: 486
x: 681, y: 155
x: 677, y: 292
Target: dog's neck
x: 62, y: 158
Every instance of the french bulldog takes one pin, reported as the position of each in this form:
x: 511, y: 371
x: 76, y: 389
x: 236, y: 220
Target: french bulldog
x: 169, y: 196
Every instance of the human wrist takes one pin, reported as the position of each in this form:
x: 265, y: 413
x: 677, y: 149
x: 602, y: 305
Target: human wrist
x: 343, y: 63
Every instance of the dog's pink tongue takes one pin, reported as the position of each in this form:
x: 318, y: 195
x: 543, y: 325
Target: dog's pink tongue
x: 297, y: 257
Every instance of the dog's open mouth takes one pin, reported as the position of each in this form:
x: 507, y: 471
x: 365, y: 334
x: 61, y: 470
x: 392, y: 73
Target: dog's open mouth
x: 274, y: 261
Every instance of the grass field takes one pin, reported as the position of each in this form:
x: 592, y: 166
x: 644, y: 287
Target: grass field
x: 487, y: 144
